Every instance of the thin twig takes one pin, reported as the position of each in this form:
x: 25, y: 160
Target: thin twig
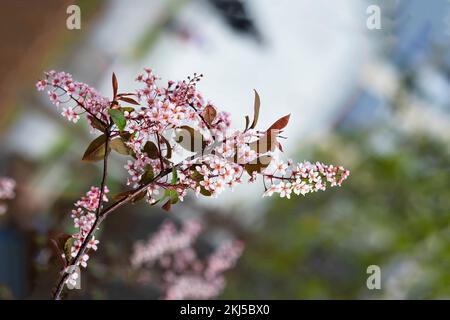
x: 159, y: 151
x: 81, y: 105
x: 83, y: 248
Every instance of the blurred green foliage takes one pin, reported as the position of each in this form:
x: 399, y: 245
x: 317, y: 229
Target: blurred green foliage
x: 394, y: 211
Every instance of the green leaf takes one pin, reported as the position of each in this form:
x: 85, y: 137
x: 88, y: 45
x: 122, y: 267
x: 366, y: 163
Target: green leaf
x: 96, y: 150
x: 174, y: 176
x: 68, y: 249
x: 118, y: 118
x: 196, y: 176
x: 166, y: 194
x: 148, y: 175
x: 205, y: 192
x: 120, y: 147
x: 151, y: 150
x: 173, y: 194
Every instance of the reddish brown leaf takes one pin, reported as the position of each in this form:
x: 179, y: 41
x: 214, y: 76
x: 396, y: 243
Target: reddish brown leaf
x: 119, y: 146
x: 123, y: 195
x: 280, y: 124
x: 97, y: 124
x: 129, y: 100
x: 115, y: 85
x: 166, y: 206
x: 209, y: 114
x: 138, y: 197
x: 96, y: 150
x: 126, y: 94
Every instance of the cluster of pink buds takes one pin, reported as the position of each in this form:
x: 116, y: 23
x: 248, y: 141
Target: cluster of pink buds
x: 84, y: 216
x: 7, y: 186
x: 185, y: 275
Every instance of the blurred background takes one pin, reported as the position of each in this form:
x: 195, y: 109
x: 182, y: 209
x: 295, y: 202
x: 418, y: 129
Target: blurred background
x: 375, y: 100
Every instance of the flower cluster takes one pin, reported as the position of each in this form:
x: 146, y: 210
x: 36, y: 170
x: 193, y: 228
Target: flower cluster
x: 165, y: 241
x: 185, y: 275
x: 302, y: 178
x: 84, y: 217
x: 171, y: 106
x: 178, y: 106
x: 159, y: 119
x: 7, y: 186
x: 77, y: 97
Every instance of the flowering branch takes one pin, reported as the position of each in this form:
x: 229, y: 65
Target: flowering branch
x: 90, y: 236
x: 153, y: 126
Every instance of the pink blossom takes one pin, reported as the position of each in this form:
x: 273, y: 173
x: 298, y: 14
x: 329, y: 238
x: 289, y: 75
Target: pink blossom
x: 76, y: 96
x: 285, y: 190
x: 185, y: 275
x: 40, y: 85
x: 7, y: 186
x: 304, y: 178
x: 70, y: 115
x: 166, y: 241
x: 84, y: 217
